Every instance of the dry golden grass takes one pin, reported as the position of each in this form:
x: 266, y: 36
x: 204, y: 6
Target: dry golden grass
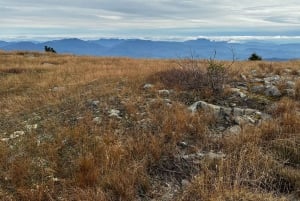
x: 71, y: 157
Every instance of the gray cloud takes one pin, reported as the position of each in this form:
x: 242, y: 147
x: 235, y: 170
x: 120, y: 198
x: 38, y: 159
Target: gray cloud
x: 129, y: 16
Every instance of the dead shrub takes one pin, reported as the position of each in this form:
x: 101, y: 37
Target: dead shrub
x: 185, y: 79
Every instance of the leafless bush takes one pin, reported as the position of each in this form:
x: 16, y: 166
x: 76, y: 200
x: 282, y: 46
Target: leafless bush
x: 194, y: 74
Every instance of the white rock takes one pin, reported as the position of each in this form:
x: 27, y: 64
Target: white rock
x: 287, y: 70
x: 6, y: 139
x: 213, y: 155
x: 234, y: 130
x: 257, y: 80
x: 16, y: 134
x: 31, y: 127
x: 240, y: 120
x: 97, y: 120
x: 246, y: 115
x: 274, y: 78
x: 95, y: 103
x: 57, y: 89
x: 114, y: 113
x: 290, y: 84
x: 243, y: 77
x: 164, y: 92
x: 148, y: 86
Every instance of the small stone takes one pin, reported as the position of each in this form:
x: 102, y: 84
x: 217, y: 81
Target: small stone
x: 234, y: 130
x: 95, y: 103
x: 213, y: 155
x: 164, y: 92
x: 6, y: 139
x: 257, y: 80
x: 148, y: 86
x: 242, y: 95
x: 31, y: 127
x: 240, y: 120
x: 114, y: 113
x: 290, y: 84
x: 16, y: 134
x: 57, y: 89
x: 258, y: 89
x: 97, y: 120
x: 251, y: 120
x: 243, y: 77
x: 182, y: 144
x: 185, y: 183
x: 254, y: 72
x: 290, y: 92
x: 79, y: 118
x: 274, y: 78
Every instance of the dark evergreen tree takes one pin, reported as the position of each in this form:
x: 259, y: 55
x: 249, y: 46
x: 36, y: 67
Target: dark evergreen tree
x: 49, y: 49
x: 255, y: 57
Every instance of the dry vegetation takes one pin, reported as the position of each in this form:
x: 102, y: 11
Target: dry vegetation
x: 60, y: 141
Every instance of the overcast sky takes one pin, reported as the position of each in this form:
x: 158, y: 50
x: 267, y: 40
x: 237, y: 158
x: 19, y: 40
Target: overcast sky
x: 155, y: 19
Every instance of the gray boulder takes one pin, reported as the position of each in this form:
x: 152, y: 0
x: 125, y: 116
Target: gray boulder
x: 272, y: 91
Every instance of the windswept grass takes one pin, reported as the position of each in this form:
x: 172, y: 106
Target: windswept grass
x: 59, y: 140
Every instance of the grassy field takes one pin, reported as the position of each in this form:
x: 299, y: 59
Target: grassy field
x: 87, y: 128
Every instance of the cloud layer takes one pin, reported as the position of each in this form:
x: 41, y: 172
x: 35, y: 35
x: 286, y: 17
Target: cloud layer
x: 155, y: 18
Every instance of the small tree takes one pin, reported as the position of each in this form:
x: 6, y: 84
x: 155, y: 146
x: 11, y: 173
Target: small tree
x: 255, y: 57
x: 49, y: 49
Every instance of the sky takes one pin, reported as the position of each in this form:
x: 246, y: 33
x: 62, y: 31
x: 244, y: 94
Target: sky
x: 149, y: 19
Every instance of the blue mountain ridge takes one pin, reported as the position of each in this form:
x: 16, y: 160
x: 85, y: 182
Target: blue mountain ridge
x: 138, y: 48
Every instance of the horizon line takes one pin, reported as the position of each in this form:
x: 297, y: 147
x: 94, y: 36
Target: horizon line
x: 221, y: 38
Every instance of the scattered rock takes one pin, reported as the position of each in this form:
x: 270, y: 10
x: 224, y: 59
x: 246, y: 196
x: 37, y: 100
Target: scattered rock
x: 97, y: 120
x: 243, y: 77
x: 290, y: 92
x: 272, y: 91
x: 272, y: 79
x: 148, y: 86
x: 249, y: 115
x: 164, y: 92
x: 201, y: 155
x: 31, y: 127
x: 185, y: 183
x: 233, y: 130
x: 290, y: 84
x: 287, y: 70
x: 17, y: 134
x: 258, y: 88
x: 6, y: 139
x: 115, y: 113
x: 182, y: 144
x: 57, y: 89
x: 257, y: 80
x: 79, y: 118
x: 238, y: 92
x: 95, y: 103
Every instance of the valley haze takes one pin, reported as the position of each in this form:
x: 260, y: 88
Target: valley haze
x: 269, y: 47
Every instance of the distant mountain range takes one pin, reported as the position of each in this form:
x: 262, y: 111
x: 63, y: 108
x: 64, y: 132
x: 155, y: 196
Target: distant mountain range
x: 137, y: 48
